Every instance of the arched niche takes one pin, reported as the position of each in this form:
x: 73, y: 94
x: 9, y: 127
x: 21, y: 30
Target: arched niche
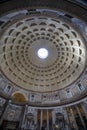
x: 19, y: 97
x: 29, y: 121
x: 60, y: 122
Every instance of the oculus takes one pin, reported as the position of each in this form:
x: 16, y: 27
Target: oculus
x: 42, y: 53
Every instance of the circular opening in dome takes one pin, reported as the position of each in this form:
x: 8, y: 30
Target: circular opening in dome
x: 42, y: 53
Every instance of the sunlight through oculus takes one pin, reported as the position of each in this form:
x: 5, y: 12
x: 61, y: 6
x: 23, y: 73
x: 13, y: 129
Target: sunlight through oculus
x: 42, y: 53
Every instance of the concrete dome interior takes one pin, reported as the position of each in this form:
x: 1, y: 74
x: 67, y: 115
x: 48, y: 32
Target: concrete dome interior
x: 43, y: 59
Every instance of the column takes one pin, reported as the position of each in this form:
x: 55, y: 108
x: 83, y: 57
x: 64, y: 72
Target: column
x: 24, y: 117
x: 41, y: 119
x: 80, y: 117
x: 47, y: 120
x: 84, y: 109
x: 53, y: 118
x: 35, y: 119
x: 4, y: 111
x: 67, y: 119
x: 74, y: 121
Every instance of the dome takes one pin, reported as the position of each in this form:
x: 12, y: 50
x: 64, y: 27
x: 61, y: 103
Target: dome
x: 64, y: 46
x: 43, y: 53
x: 43, y: 64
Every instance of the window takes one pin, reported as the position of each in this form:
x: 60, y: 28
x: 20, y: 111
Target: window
x: 81, y: 87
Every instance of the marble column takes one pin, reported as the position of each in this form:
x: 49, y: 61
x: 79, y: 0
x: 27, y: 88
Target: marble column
x: 41, y: 119
x: 84, y: 109
x: 74, y: 124
x: 47, y: 120
x: 35, y: 119
x: 67, y: 119
x: 24, y: 117
x: 4, y: 111
x: 81, y: 118
x: 53, y: 118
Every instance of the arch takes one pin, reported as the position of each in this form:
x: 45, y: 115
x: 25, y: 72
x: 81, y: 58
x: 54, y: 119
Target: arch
x: 19, y: 97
